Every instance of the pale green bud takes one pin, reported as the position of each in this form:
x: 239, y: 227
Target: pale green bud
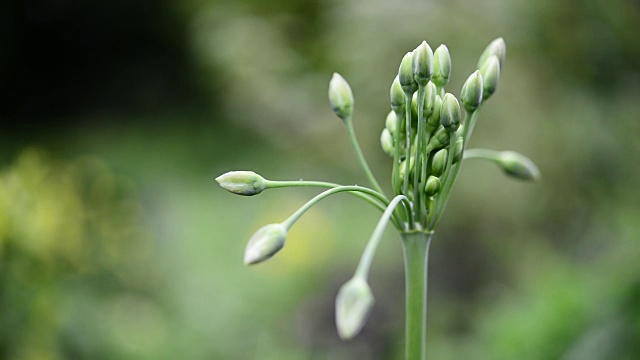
x: 265, y: 243
x: 353, y: 304
x: 433, y: 121
x: 439, y: 162
x: 386, y: 140
x: 490, y: 76
x: 441, y: 66
x: 340, y: 97
x: 518, y: 165
x: 405, y: 74
x: 403, y: 167
x: 457, y: 149
x: 391, y: 123
x: 429, y: 99
x: 397, y: 96
x: 450, y: 113
x: 245, y: 183
x: 471, y: 94
x: 432, y: 186
x: 439, y: 139
x: 422, y: 63
x: 496, y: 48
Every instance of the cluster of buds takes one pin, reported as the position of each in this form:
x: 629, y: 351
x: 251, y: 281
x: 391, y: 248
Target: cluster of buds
x: 426, y: 133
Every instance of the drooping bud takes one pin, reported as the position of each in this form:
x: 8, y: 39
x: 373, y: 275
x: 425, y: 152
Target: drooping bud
x: 397, y: 97
x: 405, y: 74
x: 386, y: 140
x: 439, y: 162
x: 265, y: 243
x: 471, y: 94
x: 245, y: 183
x: 439, y: 139
x: 496, y: 48
x: 441, y: 66
x: 457, y: 149
x: 432, y: 186
x: 490, y: 76
x: 450, y: 113
x: 422, y: 63
x: 518, y: 165
x: 391, y: 123
x: 340, y: 97
x: 353, y: 304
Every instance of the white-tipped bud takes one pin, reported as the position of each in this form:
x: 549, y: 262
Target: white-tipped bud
x: 397, y: 97
x: 429, y: 99
x: 433, y: 121
x: 245, y: 183
x: 386, y: 141
x: 496, y: 48
x: 439, y: 162
x: 457, y: 149
x: 518, y: 165
x: 265, y: 243
x: 391, y: 122
x: 340, y: 96
x: 450, y: 113
x: 439, y: 139
x: 490, y: 76
x: 405, y: 74
x: 441, y: 66
x: 422, y: 63
x: 471, y: 94
x: 353, y: 305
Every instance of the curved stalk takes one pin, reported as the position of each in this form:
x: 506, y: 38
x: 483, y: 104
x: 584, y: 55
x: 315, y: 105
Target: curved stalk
x: 348, y: 123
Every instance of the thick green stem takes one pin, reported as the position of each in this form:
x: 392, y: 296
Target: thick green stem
x: 416, y: 257
x: 348, y: 123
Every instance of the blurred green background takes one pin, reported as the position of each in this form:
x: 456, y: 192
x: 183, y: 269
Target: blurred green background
x: 116, y: 243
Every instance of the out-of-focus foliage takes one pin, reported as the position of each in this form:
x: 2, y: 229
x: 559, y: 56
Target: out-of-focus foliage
x: 172, y: 94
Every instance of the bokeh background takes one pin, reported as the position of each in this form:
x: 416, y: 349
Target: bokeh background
x: 116, y: 243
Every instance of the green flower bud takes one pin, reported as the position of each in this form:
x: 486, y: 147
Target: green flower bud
x: 391, y: 123
x: 496, y: 48
x: 422, y: 63
x: 429, y: 99
x: 471, y: 94
x: 433, y: 121
x: 457, y: 149
x: 450, y: 113
x: 340, y: 97
x: 432, y: 186
x: 405, y: 74
x: 403, y: 167
x: 518, y: 165
x: 265, y: 243
x: 490, y: 76
x: 397, y: 97
x: 439, y: 162
x: 439, y: 139
x: 441, y: 66
x: 245, y: 183
x: 353, y: 304
x: 386, y: 140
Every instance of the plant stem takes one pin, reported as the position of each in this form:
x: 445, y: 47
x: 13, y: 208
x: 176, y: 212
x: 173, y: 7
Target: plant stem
x: 348, y: 123
x: 415, y: 246
x: 379, y: 201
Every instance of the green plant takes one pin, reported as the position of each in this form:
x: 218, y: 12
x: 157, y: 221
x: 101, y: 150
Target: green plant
x: 426, y: 136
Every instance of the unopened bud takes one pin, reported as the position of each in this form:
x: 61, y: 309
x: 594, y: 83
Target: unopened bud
x: 397, y: 97
x: 439, y: 139
x: 405, y: 74
x: 245, y: 183
x: 429, y: 99
x: 441, y: 66
x: 490, y: 76
x: 457, y: 149
x: 340, y: 97
x: 432, y: 186
x: 353, y: 304
x: 518, y: 165
x: 439, y: 162
x: 391, y: 122
x: 403, y: 171
x: 265, y: 243
x: 433, y: 121
x: 496, y: 48
x: 422, y: 63
x: 471, y: 94
x: 450, y: 113
x: 386, y: 140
